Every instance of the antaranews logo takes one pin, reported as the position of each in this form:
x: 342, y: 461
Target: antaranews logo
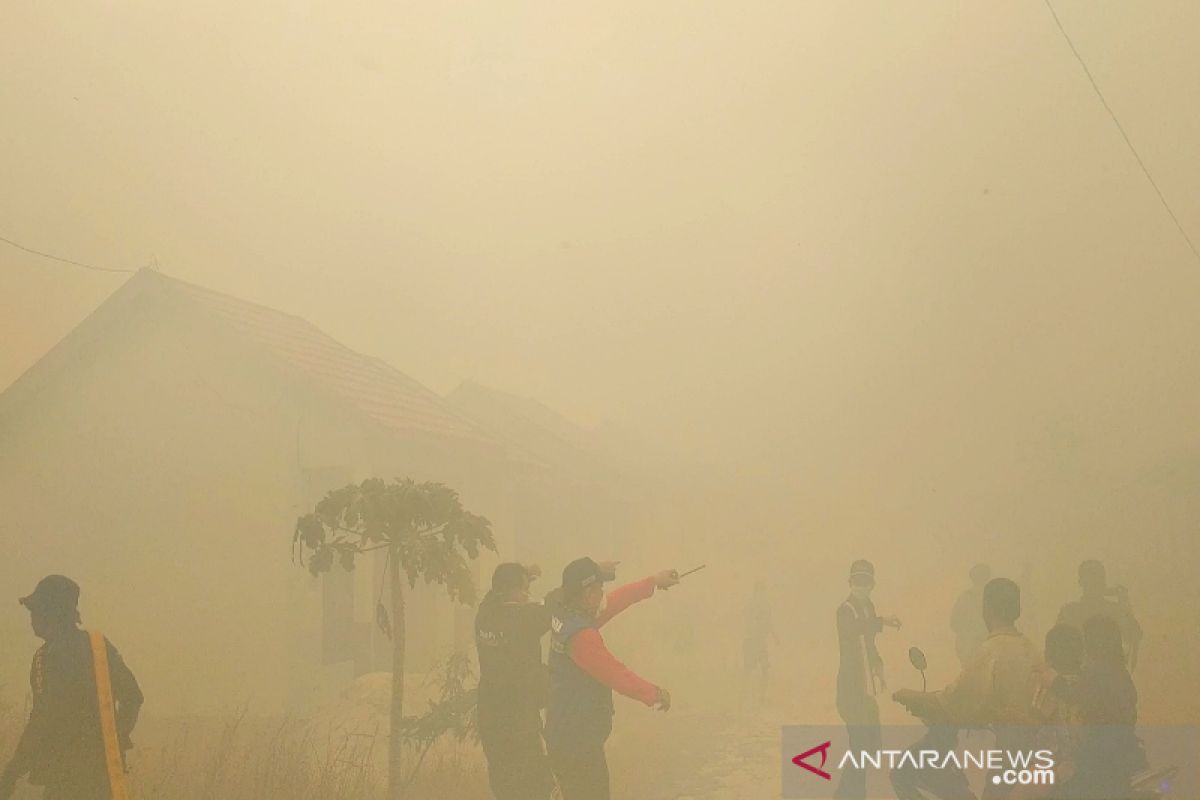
x: 818, y: 759
x: 1016, y: 767
x: 810, y: 760
x: 819, y: 771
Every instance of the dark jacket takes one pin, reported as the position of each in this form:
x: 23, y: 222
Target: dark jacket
x: 512, y: 677
x: 1080, y: 611
x: 1107, y: 701
x: 62, y: 740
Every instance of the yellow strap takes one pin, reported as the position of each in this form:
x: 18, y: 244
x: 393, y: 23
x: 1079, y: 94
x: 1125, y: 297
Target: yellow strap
x: 108, y: 718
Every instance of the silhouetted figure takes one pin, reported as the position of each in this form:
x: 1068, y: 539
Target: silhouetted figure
x: 1100, y: 599
x: 512, y: 685
x: 755, y: 644
x: 73, y: 745
x: 860, y: 672
x: 995, y: 689
x: 584, y: 675
x: 1055, y: 699
x: 1110, y: 753
x: 966, y: 620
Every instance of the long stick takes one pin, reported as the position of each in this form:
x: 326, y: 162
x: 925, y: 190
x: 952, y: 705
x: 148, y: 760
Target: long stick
x: 690, y: 571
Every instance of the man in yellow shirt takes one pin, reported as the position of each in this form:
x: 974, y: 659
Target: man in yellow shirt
x: 995, y: 689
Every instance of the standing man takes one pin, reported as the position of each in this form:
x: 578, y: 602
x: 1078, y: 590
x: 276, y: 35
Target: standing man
x: 859, y: 668
x: 85, y: 704
x: 512, y: 685
x: 756, y: 655
x: 1094, y: 601
x: 967, y: 618
x: 584, y: 675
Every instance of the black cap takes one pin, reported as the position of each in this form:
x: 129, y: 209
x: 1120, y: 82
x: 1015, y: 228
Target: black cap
x: 580, y: 574
x: 53, y: 593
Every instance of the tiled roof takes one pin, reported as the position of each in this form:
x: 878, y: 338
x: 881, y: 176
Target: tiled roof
x: 372, y: 386
x: 530, y: 427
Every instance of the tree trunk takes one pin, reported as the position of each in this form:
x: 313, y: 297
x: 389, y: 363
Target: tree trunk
x: 395, y: 745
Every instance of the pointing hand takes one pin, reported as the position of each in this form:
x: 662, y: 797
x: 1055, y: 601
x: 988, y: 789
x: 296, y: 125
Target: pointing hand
x: 666, y: 579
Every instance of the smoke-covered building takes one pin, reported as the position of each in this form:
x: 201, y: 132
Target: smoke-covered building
x: 160, y: 454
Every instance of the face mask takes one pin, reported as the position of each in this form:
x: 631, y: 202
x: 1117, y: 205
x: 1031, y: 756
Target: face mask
x: 861, y: 592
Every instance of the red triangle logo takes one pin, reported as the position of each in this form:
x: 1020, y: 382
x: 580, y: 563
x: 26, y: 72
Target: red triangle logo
x: 823, y: 749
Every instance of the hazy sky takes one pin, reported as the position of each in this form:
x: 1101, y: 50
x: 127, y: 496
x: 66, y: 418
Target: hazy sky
x: 890, y: 235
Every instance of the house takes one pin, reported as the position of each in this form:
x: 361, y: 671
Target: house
x: 160, y: 455
x: 578, y: 502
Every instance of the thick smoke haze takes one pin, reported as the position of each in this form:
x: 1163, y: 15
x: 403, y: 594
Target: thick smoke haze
x: 828, y: 280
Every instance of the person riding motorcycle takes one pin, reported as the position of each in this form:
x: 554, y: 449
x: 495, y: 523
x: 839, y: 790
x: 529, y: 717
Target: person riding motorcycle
x: 994, y: 689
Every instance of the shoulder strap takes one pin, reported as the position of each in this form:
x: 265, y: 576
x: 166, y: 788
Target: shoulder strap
x: 108, y: 717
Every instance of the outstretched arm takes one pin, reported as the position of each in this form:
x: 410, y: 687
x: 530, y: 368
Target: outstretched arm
x: 623, y: 597
x: 849, y: 625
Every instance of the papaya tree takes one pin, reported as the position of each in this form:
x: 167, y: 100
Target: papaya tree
x: 427, y: 535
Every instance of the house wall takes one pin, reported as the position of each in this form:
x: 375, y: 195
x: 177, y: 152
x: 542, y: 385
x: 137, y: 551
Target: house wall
x: 163, y: 469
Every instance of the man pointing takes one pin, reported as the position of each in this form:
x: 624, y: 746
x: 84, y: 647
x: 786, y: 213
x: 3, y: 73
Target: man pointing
x: 584, y: 674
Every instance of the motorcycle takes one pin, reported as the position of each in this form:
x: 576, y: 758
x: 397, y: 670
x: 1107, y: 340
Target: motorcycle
x: 1152, y: 783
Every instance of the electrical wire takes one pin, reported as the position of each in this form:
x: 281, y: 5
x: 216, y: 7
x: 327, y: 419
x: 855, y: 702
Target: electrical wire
x: 1120, y: 128
x: 53, y: 257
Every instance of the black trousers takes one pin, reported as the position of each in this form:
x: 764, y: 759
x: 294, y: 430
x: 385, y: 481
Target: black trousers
x: 582, y: 774
x: 517, y: 764
x: 861, y: 715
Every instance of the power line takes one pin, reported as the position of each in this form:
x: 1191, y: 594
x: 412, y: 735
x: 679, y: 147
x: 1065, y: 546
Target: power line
x: 20, y: 246
x: 1154, y: 184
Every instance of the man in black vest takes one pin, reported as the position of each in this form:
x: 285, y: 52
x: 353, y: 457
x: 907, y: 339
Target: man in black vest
x: 860, y: 673
x: 512, y: 685
x: 584, y: 674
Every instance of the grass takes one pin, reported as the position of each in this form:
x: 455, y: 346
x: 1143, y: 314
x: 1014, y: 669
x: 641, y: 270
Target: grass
x: 241, y: 757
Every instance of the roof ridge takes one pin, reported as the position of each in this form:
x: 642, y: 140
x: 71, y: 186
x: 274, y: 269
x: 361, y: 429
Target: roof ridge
x: 162, y: 276
x: 375, y: 387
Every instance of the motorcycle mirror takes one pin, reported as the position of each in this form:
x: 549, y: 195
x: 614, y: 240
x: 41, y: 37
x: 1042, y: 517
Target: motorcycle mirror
x: 916, y: 657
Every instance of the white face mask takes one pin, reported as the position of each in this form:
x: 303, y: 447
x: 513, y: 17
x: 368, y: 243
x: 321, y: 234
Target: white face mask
x: 861, y: 592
